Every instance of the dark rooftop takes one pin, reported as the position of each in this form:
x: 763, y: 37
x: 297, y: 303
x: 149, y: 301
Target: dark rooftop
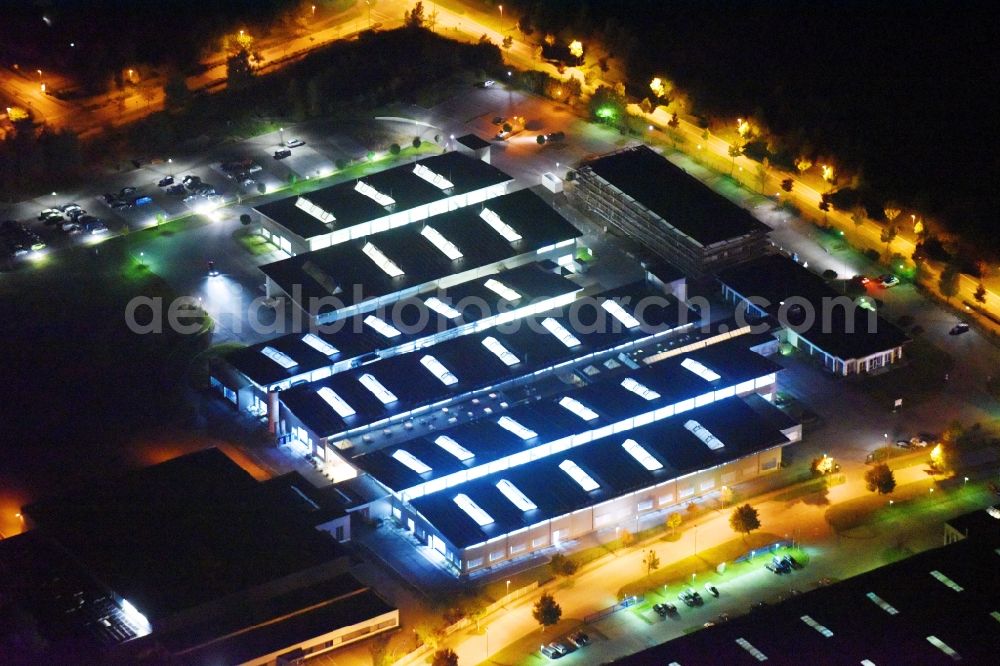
x: 350, y: 208
x: 555, y: 493
x: 181, y: 533
x: 777, y: 278
x: 343, y: 271
x: 52, y: 611
x: 473, y: 142
x: 965, y: 621
x: 677, y: 197
x: 978, y: 526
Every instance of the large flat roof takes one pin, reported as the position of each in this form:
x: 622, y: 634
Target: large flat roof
x: 488, y: 441
x: 473, y: 365
x: 862, y: 631
x: 45, y: 593
x: 345, y: 273
x: 680, y: 199
x: 181, y: 533
x: 607, y: 462
x: 777, y: 278
x: 352, y: 338
x: 351, y: 208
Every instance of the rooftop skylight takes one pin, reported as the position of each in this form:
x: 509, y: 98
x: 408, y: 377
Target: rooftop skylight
x: 435, y: 179
x: 384, y: 395
x: 381, y: 199
x: 500, y: 351
x: 411, y: 461
x: 319, y: 344
x: 558, y: 330
x: 645, y: 458
x: 442, y: 308
x: 640, y: 390
x: 382, y: 327
x: 336, y: 402
x: 702, y: 433
x: 582, y: 478
x: 517, y: 498
x: 700, y: 370
x: 444, y: 375
x: 308, y: 206
x: 501, y: 290
x: 387, y: 265
x: 578, y: 408
x: 466, y: 504
x: 505, y: 230
x: 619, y: 313
x: 453, y: 447
x: 279, y: 357
x: 512, y: 426
x: 447, y: 248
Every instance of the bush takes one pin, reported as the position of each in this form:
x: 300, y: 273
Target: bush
x: 341, y: 163
x: 261, y: 188
x: 540, y: 139
x: 416, y: 142
x: 561, y: 565
x: 872, y: 254
x: 245, y: 220
x: 395, y: 149
x: 829, y: 274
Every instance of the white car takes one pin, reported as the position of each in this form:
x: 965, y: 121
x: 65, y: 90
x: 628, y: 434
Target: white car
x: 295, y: 143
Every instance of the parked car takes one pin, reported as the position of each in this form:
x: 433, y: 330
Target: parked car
x: 551, y: 652
x: 499, y: 120
x: 282, y: 154
x: 49, y: 214
x: 166, y: 180
x: 794, y: 563
x: 142, y: 201
x: 664, y: 609
x: 294, y: 143
x: 773, y: 568
x: 95, y: 227
x: 71, y: 227
x: 711, y: 589
x: 555, y: 136
x: 176, y: 189
x: 66, y: 207
x: 959, y: 328
x: 888, y: 280
x: 488, y: 83
x: 904, y: 444
x: 580, y: 639
x: 783, y: 567
x: 125, y: 191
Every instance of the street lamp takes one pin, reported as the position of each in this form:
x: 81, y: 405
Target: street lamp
x: 500, y: 7
x: 508, y: 588
x: 281, y: 136
x: 39, y: 75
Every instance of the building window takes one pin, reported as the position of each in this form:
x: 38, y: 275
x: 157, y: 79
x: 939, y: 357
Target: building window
x: 518, y: 548
x: 645, y: 505
x: 707, y: 485
x: 397, y: 514
x: 472, y: 564
x: 685, y: 492
x: 729, y: 477
x: 666, y: 499
x: 339, y: 533
x: 769, y: 464
x: 496, y: 555
x: 540, y: 541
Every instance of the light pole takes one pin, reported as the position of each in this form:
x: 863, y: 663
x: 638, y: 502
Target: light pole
x: 281, y: 136
x: 500, y: 7
x: 508, y: 588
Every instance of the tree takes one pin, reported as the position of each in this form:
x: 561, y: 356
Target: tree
x: 726, y: 494
x: 524, y: 25
x: 416, y: 142
x: 546, y: 611
x: 245, y: 219
x: 674, y: 521
x: 378, y: 648
x: 239, y: 73
x: 429, y: 634
x: 734, y: 152
x: 562, y: 565
x: 787, y: 184
x: 175, y: 92
x: 507, y: 42
x: 880, y: 479
x: 858, y: 215
x: 607, y: 105
x: 888, y: 235
x: 395, y: 149
x: 415, y: 17
x: 445, y: 657
x: 803, y: 164
x: 948, y: 282
x: 651, y: 562
x: 646, y: 106
x: 891, y: 212
x: 540, y: 139
x: 761, y: 173
x: 980, y: 294
x: 744, y: 519
x: 627, y: 539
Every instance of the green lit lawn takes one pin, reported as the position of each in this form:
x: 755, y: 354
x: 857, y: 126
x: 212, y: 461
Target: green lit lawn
x: 912, y: 503
x: 255, y: 244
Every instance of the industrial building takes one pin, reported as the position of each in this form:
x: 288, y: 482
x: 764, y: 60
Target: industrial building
x: 648, y: 199
x: 805, y: 311
x: 195, y: 559
x: 935, y: 607
x: 359, y: 276
x: 380, y: 201
x: 699, y: 419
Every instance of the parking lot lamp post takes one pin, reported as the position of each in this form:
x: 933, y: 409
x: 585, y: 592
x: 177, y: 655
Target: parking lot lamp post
x: 281, y: 136
x: 500, y: 7
x: 508, y: 588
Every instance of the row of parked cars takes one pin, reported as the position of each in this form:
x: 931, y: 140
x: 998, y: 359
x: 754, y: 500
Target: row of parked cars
x: 18, y: 240
x: 71, y: 218
x: 125, y: 198
x: 782, y: 565
x: 561, y: 648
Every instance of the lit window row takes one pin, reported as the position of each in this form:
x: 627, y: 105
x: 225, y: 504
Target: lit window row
x: 309, y: 207
x: 584, y: 480
x: 618, y: 312
x: 505, y: 230
x: 558, y: 330
x: 944, y: 647
x: 757, y: 654
x: 454, y: 448
x: 700, y: 370
x: 447, y: 248
x: 382, y: 327
x: 702, y: 433
x: 817, y: 626
x: 576, y: 407
x: 514, y: 494
x: 640, y: 390
x: 500, y: 351
x: 435, y: 179
x: 512, y: 426
x: 384, y: 395
x: 387, y: 265
x: 444, y: 375
x: 466, y: 504
x: 381, y: 199
x: 319, y: 344
x: 411, y: 461
x: 338, y: 404
x: 502, y: 290
x: 442, y: 308
x: 947, y: 581
x: 644, y: 457
x: 279, y: 357
x: 882, y: 603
